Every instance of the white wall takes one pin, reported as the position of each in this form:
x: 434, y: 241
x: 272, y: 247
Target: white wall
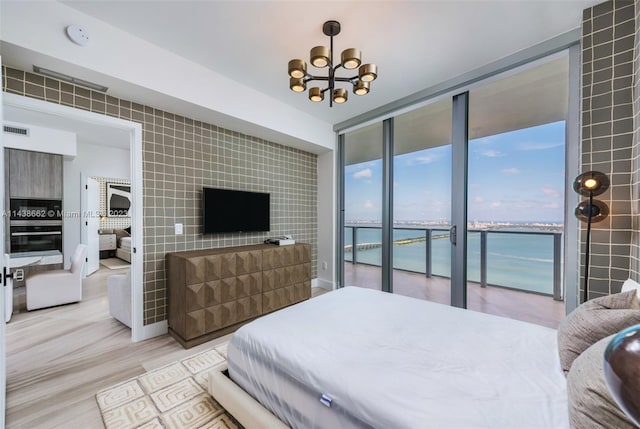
x: 40, y: 139
x: 326, y: 219
x: 92, y: 160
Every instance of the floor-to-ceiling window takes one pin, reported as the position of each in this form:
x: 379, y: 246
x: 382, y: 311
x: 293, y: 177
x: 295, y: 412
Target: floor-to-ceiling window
x: 499, y: 148
x: 516, y: 176
x: 363, y: 207
x: 422, y: 201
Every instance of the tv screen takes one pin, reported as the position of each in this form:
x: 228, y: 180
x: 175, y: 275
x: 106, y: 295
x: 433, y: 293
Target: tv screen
x: 225, y: 210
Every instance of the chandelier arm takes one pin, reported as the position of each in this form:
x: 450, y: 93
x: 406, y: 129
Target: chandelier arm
x: 310, y: 78
x: 346, y: 79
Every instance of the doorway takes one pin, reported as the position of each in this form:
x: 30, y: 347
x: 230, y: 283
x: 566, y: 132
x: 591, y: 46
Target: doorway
x: 30, y: 110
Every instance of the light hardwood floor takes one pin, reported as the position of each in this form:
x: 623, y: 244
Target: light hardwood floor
x: 58, y: 358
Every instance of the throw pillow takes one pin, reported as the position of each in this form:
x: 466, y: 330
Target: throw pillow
x: 594, y: 320
x: 630, y: 284
x: 590, y: 402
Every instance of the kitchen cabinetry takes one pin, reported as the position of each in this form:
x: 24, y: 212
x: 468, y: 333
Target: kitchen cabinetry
x: 33, y: 174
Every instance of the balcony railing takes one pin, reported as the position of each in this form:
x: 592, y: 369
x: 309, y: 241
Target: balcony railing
x: 524, y: 260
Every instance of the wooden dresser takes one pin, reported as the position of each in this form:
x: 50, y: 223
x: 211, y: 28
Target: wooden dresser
x: 213, y: 292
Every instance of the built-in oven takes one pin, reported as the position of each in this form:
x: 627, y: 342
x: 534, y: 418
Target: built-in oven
x: 35, y: 236
x: 35, y: 225
x: 34, y: 209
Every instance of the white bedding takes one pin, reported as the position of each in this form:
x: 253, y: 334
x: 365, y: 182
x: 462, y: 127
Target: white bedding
x: 125, y: 243
x: 389, y: 361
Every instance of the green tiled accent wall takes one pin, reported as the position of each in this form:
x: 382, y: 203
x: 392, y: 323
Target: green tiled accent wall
x: 608, y: 40
x: 180, y: 157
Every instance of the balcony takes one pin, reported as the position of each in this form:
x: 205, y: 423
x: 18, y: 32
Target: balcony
x: 515, y: 274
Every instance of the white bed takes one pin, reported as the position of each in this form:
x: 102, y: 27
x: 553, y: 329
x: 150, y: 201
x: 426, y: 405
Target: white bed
x: 124, y: 249
x: 389, y: 361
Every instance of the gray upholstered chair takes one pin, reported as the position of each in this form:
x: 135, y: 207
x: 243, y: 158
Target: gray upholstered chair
x: 57, y: 287
x: 119, y: 289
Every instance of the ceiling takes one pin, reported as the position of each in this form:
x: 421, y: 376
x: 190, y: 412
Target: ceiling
x: 535, y: 95
x: 415, y: 44
x: 86, y: 133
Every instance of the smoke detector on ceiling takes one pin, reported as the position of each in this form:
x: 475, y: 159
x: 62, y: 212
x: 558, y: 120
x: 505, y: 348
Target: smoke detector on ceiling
x: 78, y: 35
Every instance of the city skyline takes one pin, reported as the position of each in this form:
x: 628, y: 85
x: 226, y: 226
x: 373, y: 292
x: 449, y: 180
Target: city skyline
x: 517, y: 176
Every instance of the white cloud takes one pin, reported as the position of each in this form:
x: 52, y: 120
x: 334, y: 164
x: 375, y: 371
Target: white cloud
x: 368, y: 204
x: 363, y: 173
x: 551, y: 206
x: 491, y: 153
x: 421, y: 160
x: 538, y: 146
x: 478, y: 200
x: 550, y: 191
x: 495, y: 204
x: 511, y: 170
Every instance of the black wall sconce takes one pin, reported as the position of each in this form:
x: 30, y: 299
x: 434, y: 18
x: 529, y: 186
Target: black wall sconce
x: 590, y: 184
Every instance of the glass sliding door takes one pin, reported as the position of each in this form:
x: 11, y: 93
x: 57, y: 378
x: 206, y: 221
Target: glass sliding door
x: 362, y: 229
x: 422, y: 202
x: 516, y: 178
x: 465, y: 193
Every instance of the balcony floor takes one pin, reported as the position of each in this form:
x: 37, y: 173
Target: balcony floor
x: 528, y: 307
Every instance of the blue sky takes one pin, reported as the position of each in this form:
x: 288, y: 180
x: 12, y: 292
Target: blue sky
x: 515, y: 176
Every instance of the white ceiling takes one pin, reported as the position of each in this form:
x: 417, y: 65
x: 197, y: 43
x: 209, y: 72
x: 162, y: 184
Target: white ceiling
x: 533, y: 95
x: 415, y: 44
x: 86, y: 133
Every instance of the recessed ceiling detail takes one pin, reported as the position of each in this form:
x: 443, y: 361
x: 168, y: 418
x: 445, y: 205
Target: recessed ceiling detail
x: 322, y: 57
x: 70, y: 79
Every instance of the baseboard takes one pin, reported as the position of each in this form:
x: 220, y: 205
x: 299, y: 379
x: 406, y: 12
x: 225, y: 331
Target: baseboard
x: 152, y: 330
x: 324, y: 284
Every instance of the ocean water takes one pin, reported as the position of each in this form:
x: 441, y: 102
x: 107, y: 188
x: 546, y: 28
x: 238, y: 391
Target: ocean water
x: 520, y: 261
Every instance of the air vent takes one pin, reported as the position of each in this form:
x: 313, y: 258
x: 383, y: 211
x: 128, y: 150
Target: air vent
x: 16, y: 130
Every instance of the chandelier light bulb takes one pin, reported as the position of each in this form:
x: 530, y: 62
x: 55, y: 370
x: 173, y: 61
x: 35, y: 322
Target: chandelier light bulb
x: 316, y: 94
x: 368, y: 72
x: 297, y: 68
x: 360, y: 87
x: 320, y: 56
x: 351, y: 58
x: 297, y: 84
x: 340, y: 95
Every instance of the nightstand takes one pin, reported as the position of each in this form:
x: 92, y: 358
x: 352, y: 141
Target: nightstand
x: 108, y: 245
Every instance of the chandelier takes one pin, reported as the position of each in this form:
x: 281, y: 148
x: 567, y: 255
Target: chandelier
x: 322, y: 57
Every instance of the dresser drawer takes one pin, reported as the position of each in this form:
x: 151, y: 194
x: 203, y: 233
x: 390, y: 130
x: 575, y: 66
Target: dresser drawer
x: 107, y: 242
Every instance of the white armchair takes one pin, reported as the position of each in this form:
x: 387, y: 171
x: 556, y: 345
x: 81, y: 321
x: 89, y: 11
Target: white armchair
x: 119, y: 288
x: 57, y: 287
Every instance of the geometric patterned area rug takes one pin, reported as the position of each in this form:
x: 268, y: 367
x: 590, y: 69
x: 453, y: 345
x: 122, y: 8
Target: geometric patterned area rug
x: 174, y: 396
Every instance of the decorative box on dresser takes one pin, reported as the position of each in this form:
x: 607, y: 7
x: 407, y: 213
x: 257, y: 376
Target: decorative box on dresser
x: 212, y: 292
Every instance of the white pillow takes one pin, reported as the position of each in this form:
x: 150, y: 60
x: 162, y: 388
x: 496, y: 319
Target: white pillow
x: 630, y: 284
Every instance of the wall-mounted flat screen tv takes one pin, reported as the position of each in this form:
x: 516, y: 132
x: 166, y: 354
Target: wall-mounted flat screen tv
x: 226, y: 210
